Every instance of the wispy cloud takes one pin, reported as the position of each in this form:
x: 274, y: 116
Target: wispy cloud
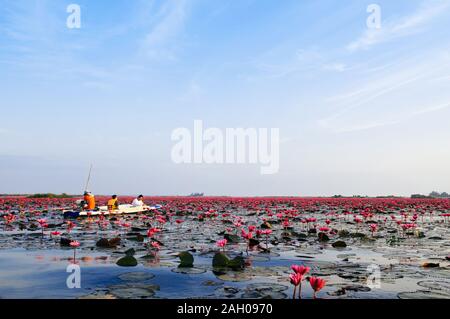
x: 401, y: 27
x: 171, y: 19
x: 391, y: 96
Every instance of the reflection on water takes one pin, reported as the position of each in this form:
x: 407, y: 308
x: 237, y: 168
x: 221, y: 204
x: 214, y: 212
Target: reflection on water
x: 33, y: 264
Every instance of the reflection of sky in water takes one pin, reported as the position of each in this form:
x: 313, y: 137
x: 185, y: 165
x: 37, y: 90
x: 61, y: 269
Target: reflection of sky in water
x: 40, y: 270
x: 42, y: 274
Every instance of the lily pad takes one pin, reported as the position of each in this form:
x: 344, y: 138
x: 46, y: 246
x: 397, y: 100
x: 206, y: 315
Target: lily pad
x: 136, y: 276
x: 189, y: 270
x: 423, y: 294
x: 234, y: 276
x: 186, y: 258
x: 127, y: 261
x: 435, y: 285
x: 339, y: 244
x: 133, y: 292
x: 220, y: 260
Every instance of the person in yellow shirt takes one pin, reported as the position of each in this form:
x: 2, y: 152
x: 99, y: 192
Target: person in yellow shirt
x: 89, y: 201
x: 113, y: 203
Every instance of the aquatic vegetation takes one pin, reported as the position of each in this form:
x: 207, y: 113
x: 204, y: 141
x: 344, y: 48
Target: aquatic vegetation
x: 316, y: 284
x: 74, y: 244
x: 222, y: 243
x: 297, y: 277
x: 252, y: 240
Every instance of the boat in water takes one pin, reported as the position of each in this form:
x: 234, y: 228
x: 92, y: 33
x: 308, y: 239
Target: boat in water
x: 103, y: 210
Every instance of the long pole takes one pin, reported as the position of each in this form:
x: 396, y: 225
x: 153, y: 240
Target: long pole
x: 88, y: 179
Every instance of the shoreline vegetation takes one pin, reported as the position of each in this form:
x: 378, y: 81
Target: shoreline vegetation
x: 51, y: 195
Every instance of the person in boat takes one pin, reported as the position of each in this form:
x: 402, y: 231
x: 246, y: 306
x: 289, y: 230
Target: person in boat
x: 113, y: 203
x: 89, y: 201
x: 137, y: 202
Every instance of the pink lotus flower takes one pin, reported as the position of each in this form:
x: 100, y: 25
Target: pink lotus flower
x: 74, y: 244
x: 373, y: 228
x: 295, y: 279
x: 300, y: 269
x: 70, y: 226
x: 152, y: 231
x: 222, y: 243
x: 55, y: 233
x: 246, y: 235
x: 9, y: 218
x: 155, y: 245
x: 316, y: 284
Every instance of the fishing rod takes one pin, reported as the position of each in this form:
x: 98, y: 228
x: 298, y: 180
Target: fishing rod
x: 88, y: 179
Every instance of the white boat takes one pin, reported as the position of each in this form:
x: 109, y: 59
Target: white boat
x: 103, y: 210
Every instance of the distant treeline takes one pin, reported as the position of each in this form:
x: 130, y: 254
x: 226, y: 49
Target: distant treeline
x: 432, y: 195
x: 196, y: 195
x: 50, y: 195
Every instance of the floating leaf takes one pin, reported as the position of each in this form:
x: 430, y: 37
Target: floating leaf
x: 220, y: 260
x: 186, y: 259
x: 236, y: 263
x: 127, y: 261
x: 231, y: 238
x: 339, y: 244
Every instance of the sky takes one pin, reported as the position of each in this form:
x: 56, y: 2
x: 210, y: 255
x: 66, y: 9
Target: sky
x: 359, y: 110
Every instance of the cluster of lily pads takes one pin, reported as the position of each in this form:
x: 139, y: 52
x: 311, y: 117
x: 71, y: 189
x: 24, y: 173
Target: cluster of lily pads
x: 235, y: 232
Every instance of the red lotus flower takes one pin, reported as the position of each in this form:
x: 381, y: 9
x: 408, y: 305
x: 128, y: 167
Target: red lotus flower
x: 74, y: 244
x: 222, y: 243
x: 316, y: 284
x: 295, y: 279
x: 246, y: 235
x: 156, y: 245
x: 300, y: 269
x: 152, y: 231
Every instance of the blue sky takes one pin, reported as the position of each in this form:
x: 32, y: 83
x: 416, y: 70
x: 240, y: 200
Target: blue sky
x: 359, y: 111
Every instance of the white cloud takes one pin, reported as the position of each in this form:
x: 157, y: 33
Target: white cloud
x: 389, y: 97
x: 172, y: 17
x: 338, y: 67
x: 402, y: 27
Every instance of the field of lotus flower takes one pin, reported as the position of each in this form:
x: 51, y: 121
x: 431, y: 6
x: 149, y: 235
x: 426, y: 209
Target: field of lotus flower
x: 224, y: 247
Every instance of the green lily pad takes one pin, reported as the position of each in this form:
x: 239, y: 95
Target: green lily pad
x: 423, y: 294
x: 136, y: 276
x: 339, y: 244
x: 435, y: 285
x: 236, y: 263
x: 231, y: 238
x: 127, y: 261
x: 186, y: 258
x: 220, y: 260
x: 189, y: 270
x: 131, y: 292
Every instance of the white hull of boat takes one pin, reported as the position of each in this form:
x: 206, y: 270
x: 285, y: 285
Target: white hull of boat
x: 123, y: 209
